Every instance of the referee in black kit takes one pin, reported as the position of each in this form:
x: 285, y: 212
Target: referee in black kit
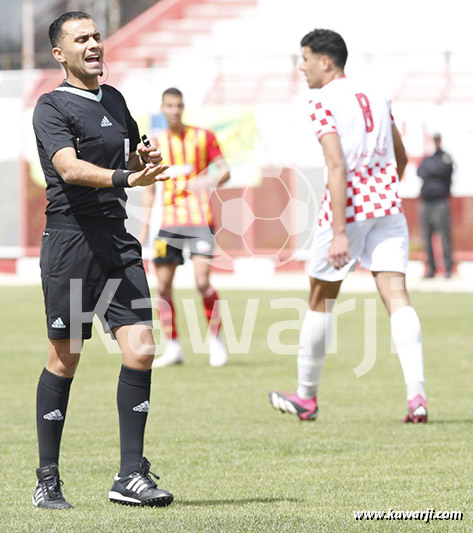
x: 89, y: 148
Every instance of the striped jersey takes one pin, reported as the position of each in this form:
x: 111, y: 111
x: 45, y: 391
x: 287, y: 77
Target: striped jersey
x: 189, y: 154
x: 363, y: 122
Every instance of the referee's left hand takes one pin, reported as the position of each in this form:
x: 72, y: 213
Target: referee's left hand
x: 149, y: 154
x: 149, y: 175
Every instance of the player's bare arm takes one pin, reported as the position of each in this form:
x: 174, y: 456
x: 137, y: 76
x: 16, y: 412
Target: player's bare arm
x: 339, y: 252
x: 399, y: 151
x: 75, y: 171
x: 147, y: 200
x: 204, y: 181
x: 223, y: 172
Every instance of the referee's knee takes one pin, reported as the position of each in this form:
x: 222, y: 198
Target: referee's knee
x: 138, y: 361
x: 137, y: 345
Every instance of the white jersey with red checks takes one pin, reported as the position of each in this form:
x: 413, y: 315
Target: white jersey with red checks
x: 362, y: 120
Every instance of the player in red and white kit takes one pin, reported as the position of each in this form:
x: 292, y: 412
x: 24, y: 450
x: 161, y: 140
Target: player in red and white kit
x: 361, y: 219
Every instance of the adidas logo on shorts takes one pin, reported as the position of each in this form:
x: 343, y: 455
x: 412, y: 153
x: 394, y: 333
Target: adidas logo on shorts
x: 58, y: 324
x: 54, y: 415
x: 142, y: 408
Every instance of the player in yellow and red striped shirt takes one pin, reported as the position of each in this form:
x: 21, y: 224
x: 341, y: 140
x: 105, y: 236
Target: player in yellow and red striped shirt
x: 187, y: 221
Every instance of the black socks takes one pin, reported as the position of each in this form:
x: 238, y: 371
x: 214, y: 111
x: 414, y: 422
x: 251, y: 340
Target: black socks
x: 51, y: 405
x: 133, y: 394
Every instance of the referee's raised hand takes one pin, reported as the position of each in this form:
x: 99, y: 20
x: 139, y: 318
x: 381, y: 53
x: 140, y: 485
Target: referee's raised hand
x: 149, y: 175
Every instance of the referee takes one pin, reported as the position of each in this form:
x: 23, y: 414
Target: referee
x: 89, y: 148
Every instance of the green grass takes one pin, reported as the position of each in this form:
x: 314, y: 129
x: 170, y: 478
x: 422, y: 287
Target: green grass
x: 232, y: 462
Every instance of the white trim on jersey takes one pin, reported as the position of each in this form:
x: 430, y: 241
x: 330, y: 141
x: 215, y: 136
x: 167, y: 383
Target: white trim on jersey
x: 80, y: 92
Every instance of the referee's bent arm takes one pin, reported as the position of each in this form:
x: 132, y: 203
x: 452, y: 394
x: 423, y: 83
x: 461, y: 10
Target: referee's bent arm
x: 76, y: 171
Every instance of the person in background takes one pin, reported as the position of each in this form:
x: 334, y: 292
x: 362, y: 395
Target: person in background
x: 436, y: 173
x: 187, y: 222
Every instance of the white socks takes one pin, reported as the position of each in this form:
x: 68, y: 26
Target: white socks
x: 316, y: 335
x: 314, y: 340
x: 407, y: 336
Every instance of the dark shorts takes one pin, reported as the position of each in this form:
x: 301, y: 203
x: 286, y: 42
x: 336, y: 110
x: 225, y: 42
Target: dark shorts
x: 170, y: 243
x: 76, y: 264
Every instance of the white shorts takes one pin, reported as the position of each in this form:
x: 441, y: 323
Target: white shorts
x: 379, y: 244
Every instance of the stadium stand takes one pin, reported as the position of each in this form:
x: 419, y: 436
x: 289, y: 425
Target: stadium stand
x: 214, y: 51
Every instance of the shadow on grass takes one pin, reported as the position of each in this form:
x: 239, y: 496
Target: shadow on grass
x: 452, y: 421
x: 244, y: 501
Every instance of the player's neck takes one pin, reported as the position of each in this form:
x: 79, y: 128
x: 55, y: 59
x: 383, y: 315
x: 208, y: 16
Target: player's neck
x: 88, y: 84
x: 177, y: 129
x: 334, y: 75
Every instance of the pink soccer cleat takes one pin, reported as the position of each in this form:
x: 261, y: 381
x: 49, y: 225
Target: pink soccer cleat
x: 417, y: 410
x: 292, y: 403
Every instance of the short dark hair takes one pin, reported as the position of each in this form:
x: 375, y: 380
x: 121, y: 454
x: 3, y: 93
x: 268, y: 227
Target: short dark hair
x: 173, y: 91
x: 55, y: 29
x: 327, y: 42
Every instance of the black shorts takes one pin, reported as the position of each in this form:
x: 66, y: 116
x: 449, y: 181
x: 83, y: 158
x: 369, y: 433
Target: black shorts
x: 170, y: 243
x: 94, y: 251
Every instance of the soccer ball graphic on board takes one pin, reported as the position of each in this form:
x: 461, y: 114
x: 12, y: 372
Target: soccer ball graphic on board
x: 271, y: 220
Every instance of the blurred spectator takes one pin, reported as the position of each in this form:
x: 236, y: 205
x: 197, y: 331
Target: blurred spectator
x: 436, y: 172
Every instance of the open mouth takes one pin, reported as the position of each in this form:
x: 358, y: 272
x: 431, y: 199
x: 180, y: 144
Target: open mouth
x: 93, y: 60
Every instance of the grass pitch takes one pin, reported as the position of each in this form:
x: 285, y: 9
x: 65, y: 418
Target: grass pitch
x: 232, y: 462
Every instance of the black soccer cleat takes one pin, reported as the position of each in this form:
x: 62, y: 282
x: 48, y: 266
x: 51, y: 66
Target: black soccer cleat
x: 139, y: 489
x: 48, y: 492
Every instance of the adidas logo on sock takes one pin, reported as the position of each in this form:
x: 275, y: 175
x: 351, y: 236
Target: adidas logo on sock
x: 105, y: 122
x: 142, y: 408
x: 58, y: 323
x: 54, y: 415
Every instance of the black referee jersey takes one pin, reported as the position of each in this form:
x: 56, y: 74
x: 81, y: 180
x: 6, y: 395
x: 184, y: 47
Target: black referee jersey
x: 98, y: 125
